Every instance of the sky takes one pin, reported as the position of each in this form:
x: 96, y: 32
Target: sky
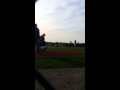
x: 61, y: 20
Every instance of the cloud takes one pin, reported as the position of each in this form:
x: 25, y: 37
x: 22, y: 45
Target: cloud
x: 61, y: 20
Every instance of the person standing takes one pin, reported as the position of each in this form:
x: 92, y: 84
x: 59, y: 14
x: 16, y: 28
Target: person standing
x: 42, y: 43
x: 42, y: 40
x: 37, y: 38
x: 75, y: 43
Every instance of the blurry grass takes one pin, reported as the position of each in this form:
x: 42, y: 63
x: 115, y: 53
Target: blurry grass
x: 60, y: 62
x: 66, y: 48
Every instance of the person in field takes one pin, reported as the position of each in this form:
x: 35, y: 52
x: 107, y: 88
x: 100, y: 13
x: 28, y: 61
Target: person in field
x: 42, y: 43
x: 37, y: 38
x: 75, y: 43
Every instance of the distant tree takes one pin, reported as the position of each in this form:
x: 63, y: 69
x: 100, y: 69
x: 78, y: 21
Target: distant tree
x: 49, y: 44
x: 70, y: 42
x: 56, y: 44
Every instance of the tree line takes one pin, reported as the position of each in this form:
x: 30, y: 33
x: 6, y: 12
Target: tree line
x: 60, y: 44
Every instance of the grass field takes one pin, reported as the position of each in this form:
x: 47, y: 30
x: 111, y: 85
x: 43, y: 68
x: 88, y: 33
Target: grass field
x: 65, y: 72
x: 62, y: 61
x: 67, y: 48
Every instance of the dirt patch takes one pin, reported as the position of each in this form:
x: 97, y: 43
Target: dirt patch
x: 60, y: 53
x: 64, y: 79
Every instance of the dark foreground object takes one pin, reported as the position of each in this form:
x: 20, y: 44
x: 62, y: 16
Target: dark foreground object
x: 43, y: 81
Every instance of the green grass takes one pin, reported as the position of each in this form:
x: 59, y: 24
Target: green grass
x: 67, y: 48
x: 60, y: 62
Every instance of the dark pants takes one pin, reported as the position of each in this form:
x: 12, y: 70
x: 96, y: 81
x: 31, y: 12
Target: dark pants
x: 37, y: 45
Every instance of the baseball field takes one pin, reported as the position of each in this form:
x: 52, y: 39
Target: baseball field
x: 63, y: 67
x: 60, y: 57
